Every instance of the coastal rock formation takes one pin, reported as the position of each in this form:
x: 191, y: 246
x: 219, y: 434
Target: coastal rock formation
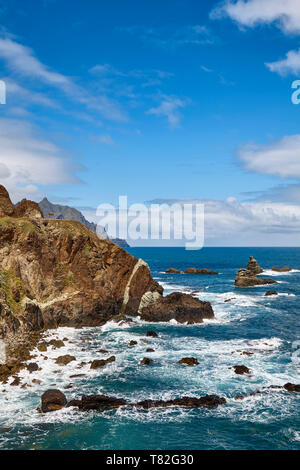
x: 285, y: 269
x: 248, y: 277
x: 53, y: 400
x: 199, y: 271
x: 173, y: 271
x: 240, y: 370
x: 190, y: 402
x: 146, y: 361
x: 253, y: 266
x: 181, y: 307
x: 99, y: 363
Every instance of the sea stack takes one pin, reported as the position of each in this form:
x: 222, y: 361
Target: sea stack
x: 248, y: 277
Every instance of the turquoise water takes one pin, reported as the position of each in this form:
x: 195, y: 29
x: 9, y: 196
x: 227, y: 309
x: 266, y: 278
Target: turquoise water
x: 266, y: 326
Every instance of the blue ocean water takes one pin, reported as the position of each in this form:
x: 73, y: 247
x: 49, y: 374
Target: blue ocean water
x: 268, y: 327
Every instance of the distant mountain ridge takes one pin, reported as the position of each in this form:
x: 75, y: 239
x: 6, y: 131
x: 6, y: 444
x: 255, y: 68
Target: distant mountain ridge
x: 58, y: 211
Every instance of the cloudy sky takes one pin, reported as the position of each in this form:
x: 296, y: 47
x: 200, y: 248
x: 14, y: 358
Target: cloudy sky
x: 165, y: 100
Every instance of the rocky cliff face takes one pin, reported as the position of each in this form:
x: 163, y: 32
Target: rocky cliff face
x: 60, y: 273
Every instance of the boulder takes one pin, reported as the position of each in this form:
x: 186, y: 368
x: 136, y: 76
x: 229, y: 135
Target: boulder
x: 271, y: 292
x: 199, y: 271
x: 240, y: 370
x: 146, y: 361
x: 99, y: 363
x: 64, y: 360
x: 57, y: 343
x: 150, y: 350
x: 173, y: 271
x: 285, y: 269
x: 189, y: 361
x: 32, y: 367
x: 292, y: 387
x: 183, y: 308
x: 152, y: 334
x: 133, y: 343
x: 53, y: 400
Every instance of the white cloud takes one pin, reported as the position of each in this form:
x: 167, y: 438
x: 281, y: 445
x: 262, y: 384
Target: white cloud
x: 291, y: 64
x: 281, y: 158
x: 284, y: 13
x: 104, y: 139
x: 169, y: 108
x: 28, y: 160
x: 21, y: 60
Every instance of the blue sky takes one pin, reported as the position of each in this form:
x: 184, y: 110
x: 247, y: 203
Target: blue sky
x: 181, y: 99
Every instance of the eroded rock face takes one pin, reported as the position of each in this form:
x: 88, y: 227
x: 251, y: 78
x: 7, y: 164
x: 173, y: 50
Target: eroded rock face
x: 24, y: 208
x: 180, y: 307
x: 253, y: 266
x: 53, y: 400
x: 248, y: 277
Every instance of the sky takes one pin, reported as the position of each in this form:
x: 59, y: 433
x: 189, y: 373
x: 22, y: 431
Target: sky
x: 160, y: 100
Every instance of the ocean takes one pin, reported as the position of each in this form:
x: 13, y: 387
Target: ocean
x: 267, y: 327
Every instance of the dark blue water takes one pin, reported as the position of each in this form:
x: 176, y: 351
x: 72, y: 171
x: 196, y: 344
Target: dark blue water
x: 268, y: 327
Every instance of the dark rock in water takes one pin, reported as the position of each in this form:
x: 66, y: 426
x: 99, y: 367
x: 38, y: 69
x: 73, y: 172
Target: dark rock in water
x: 292, y: 387
x: 64, y: 360
x: 229, y: 300
x: 199, y: 271
x: 42, y: 347
x: 100, y: 402
x: 98, y: 363
x: 253, y: 266
x: 190, y: 402
x: 73, y: 403
x: 285, y: 269
x: 132, y: 343
x: 189, y: 361
x: 271, y: 292
x: 241, y: 370
x: 146, y: 361
x: 152, y: 333
x: 248, y: 277
x: 102, y: 351
x: 150, y: 350
x: 183, y: 308
x: 57, y: 343
x: 32, y: 367
x: 16, y: 381
x: 173, y: 271
x: 53, y: 400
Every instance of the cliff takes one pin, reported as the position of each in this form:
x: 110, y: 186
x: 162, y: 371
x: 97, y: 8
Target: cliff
x: 59, y: 211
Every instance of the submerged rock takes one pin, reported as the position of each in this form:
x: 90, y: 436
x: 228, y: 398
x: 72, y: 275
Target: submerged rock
x: 190, y: 402
x: 189, y: 361
x: 152, y: 333
x: 240, y: 370
x: 183, y: 308
x: 146, y: 361
x: 271, y: 292
x: 53, y: 400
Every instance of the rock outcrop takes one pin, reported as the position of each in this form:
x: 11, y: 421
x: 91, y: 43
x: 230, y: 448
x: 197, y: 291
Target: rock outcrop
x: 253, y: 266
x: 24, y: 208
x: 285, y: 269
x: 181, y: 307
x: 248, y: 277
x: 199, y: 271
x: 173, y: 271
x: 271, y: 292
x: 53, y: 400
